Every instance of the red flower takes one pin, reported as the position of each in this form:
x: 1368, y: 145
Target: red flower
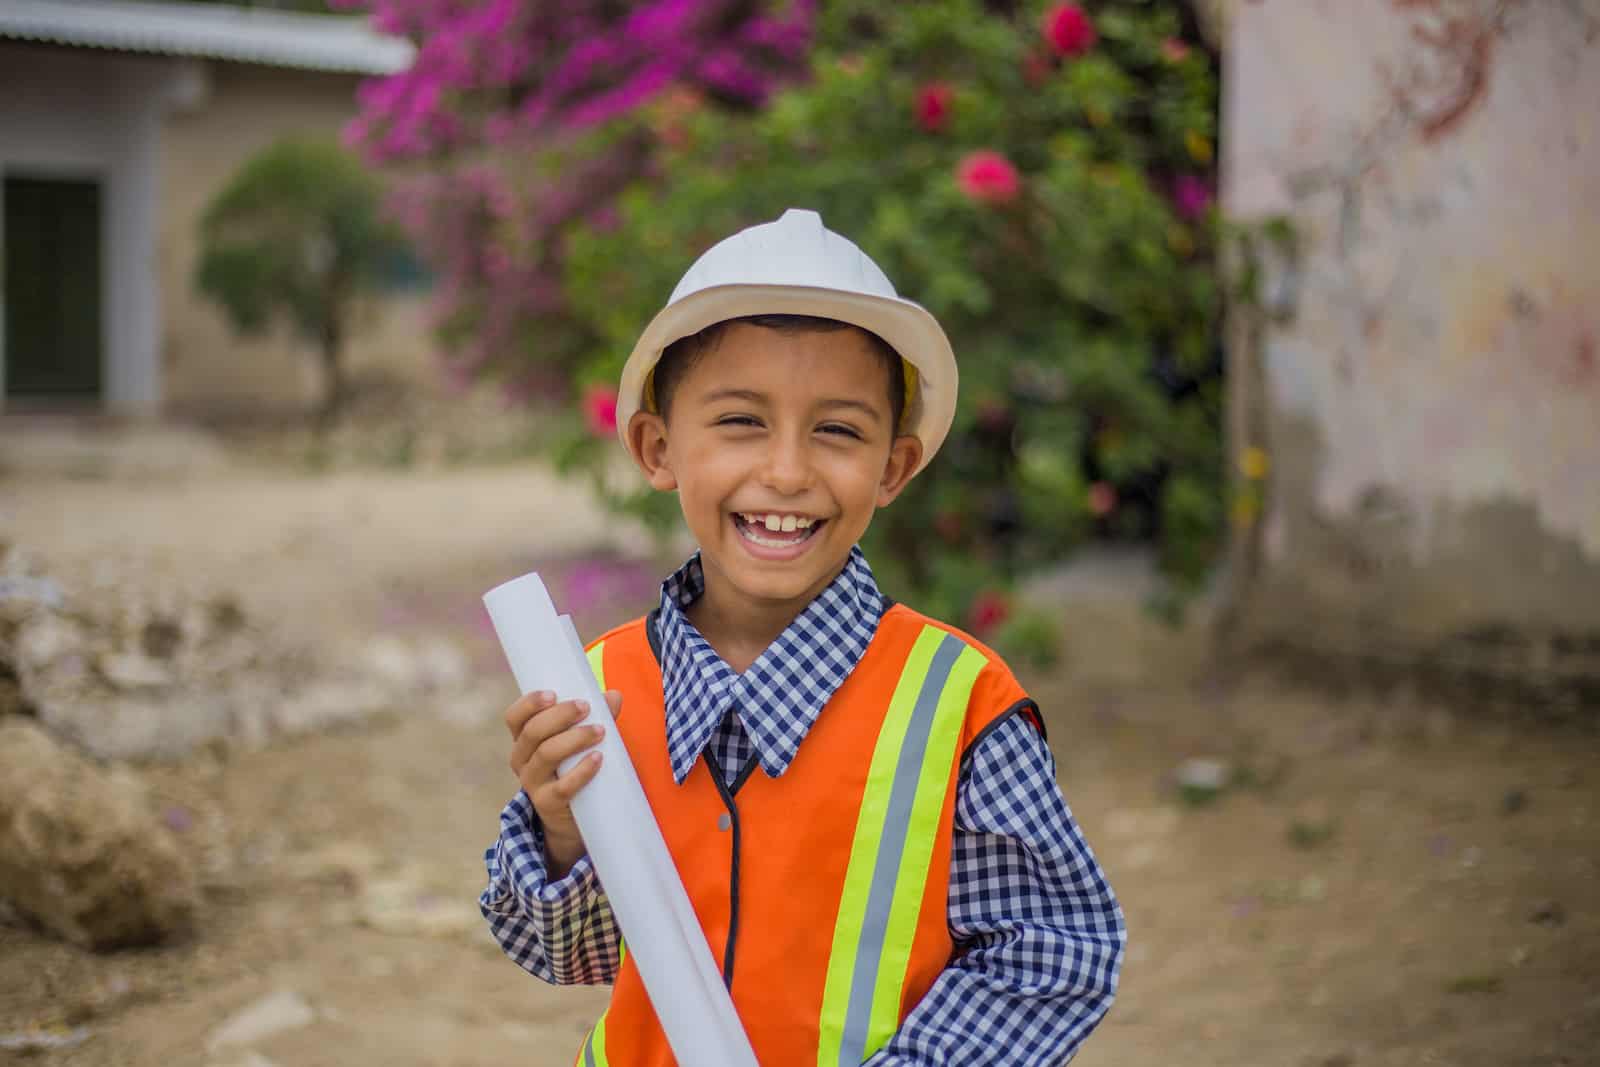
x: 933, y: 106
x: 989, y: 609
x: 989, y: 177
x: 600, y: 410
x: 1102, y: 499
x: 1174, y: 50
x: 1068, y: 29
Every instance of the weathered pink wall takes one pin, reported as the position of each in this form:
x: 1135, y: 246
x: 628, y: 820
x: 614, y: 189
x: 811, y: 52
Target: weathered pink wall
x: 1432, y: 405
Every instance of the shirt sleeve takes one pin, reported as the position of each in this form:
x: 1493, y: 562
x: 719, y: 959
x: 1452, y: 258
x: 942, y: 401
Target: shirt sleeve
x: 563, y: 931
x: 1039, y: 936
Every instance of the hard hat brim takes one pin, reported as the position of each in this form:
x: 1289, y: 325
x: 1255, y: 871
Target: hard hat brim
x: 906, y: 326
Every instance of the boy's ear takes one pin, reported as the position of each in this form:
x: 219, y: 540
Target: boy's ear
x: 904, y: 456
x: 647, y: 441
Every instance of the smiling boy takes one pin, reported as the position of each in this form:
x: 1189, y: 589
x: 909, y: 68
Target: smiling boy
x: 859, y: 799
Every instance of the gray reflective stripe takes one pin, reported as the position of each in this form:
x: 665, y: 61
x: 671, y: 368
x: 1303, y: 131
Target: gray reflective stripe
x: 869, y: 951
x: 588, y: 1051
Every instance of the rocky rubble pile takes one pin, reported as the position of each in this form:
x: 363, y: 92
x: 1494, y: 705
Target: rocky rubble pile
x: 82, y: 851
x: 125, y: 666
x: 119, y: 664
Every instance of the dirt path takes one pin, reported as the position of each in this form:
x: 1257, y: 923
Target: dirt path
x: 293, y: 547
x: 1391, y: 885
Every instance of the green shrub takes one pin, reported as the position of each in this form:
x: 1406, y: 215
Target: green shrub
x: 1051, y: 207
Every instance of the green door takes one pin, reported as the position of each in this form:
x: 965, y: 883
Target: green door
x: 52, y: 289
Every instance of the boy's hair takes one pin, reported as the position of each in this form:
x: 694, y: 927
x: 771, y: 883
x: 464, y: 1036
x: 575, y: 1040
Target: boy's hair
x: 680, y: 355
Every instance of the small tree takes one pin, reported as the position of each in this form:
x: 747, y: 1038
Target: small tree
x: 297, y: 233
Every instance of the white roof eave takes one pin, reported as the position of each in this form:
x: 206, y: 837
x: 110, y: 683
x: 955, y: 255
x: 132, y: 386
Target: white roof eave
x: 340, y: 43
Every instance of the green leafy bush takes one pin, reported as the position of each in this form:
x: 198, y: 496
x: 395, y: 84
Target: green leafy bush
x: 1040, y: 180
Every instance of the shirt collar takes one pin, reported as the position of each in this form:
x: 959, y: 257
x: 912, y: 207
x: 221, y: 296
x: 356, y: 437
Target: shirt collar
x: 781, y: 694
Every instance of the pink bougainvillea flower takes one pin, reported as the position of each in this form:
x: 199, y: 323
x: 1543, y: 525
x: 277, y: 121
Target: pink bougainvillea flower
x: 989, y: 609
x: 588, y: 585
x: 1102, y: 499
x: 600, y: 410
x: 933, y: 106
x: 1191, y: 196
x: 988, y: 177
x: 1174, y: 50
x: 1068, y: 29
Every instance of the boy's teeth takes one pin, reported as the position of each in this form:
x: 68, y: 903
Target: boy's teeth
x: 778, y: 523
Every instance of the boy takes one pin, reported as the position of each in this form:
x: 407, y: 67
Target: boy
x: 859, y: 799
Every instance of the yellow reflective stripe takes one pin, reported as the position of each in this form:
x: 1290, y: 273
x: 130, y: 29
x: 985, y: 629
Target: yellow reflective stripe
x: 864, y: 848
x: 595, y: 1056
x: 912, y: 738
x: 911, y: 882
x: 594, y: 1047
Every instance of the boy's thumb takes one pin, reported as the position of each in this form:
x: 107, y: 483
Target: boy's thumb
x: 614, y: 699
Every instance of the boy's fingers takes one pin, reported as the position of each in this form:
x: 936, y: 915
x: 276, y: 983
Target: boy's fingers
x: 525, y: 708
x: 566, y: 787
x: 554, y: 750
x: 542, y: 726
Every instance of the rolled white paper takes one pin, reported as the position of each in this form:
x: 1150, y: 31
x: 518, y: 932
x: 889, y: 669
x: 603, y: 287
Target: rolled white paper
x: 630, y: 857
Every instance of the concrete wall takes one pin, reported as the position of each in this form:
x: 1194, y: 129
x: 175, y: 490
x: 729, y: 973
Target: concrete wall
x: 93, y: 115
x: 210, y: 371
x: 1431, y: 407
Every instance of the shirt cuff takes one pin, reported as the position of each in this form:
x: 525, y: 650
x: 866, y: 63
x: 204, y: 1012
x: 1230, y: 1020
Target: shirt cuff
x: 519, y: 881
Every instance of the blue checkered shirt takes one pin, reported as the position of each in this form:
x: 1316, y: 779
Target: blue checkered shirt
x: 1039, y: 936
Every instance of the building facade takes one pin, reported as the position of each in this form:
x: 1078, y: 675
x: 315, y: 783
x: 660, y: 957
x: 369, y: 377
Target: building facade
x: 119, y: 120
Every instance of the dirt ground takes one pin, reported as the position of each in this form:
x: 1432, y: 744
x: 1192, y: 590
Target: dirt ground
x: 1387, y: 883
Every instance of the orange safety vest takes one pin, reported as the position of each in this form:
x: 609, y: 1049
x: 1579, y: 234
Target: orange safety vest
x: 824, y: 891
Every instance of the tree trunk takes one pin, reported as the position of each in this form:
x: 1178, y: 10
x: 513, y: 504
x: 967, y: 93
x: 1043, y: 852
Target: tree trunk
x: 334, y: 388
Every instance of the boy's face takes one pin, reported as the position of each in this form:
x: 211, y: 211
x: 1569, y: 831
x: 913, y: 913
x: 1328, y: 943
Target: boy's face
x: 770, y: 428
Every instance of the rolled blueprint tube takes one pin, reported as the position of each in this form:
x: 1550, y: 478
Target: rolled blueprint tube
x: 663, y: 935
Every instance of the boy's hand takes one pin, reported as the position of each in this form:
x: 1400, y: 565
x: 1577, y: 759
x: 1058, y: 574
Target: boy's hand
x: 543, y: 734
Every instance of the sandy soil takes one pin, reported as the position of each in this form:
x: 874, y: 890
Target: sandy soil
x: 1390, y: 884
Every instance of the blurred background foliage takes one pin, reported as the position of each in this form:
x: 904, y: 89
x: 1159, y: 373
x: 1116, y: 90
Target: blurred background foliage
x: 298, y: 234
x: 1039, y: 176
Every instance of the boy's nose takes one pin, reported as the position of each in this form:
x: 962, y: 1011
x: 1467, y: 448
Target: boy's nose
x: 787, y: 468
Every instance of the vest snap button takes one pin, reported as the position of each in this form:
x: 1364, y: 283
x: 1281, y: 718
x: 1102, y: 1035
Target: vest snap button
x: 724, y: 821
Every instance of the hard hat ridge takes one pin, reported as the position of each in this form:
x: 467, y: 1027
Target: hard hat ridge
x: 797, y: 249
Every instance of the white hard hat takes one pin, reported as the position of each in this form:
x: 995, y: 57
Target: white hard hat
x: 797, y: 266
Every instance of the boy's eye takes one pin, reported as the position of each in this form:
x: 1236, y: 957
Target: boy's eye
x: 738, y: 420
x: 840, y: 428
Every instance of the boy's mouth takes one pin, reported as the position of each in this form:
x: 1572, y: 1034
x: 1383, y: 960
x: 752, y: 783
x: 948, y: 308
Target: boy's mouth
x: 776, y: 530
